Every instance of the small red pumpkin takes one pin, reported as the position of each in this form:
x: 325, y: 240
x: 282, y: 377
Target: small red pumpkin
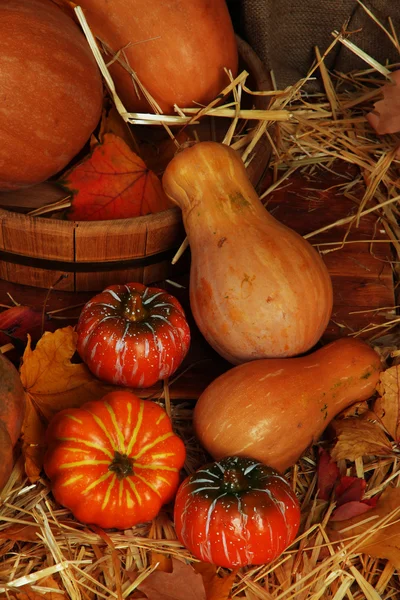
x: 236, y: 512
x: 115, y: 461
x: 133, y: 335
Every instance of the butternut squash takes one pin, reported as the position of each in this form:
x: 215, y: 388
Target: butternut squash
x: 257, y: 288
x: 271, y: 410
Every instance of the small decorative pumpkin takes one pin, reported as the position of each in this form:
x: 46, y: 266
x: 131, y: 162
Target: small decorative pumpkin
x: 257, y: 288
x: 273, y: 409
x: 12, y: 411
x: 133, y: 335
x: 115, y: 461
x: 236, y: 512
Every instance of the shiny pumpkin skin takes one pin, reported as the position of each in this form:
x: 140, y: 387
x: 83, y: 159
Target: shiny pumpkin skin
x: 12, y: 411
x: 236, y: 512
x: 273, y: 409
x: 113, y: 462
x: 257, y: 288
x: 178, y: 49
x: 52, y: 91
x: 133, y: 335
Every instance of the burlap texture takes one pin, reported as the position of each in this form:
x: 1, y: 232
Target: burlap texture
x: 284, y: 33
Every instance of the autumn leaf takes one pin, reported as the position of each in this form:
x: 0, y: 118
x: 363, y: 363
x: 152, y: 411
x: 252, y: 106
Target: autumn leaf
x: 385, y: 118
x: 217, y: 586
x: 27, y: 592
x: 387, y: 405
x: 327, y: 474
x: 385, y: 539
x: 113, y: 183
x: 357, y: 437
x: 52, y: 382
x: 183, y: 583
x: 16, y: 322
x: 112, y: 122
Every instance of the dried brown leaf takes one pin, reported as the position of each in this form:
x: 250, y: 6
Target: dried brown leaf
x: 387, y: 405
x: 385, y: 541
x: 183, y: 583
x: 385, y: 118
x: 359, y: 436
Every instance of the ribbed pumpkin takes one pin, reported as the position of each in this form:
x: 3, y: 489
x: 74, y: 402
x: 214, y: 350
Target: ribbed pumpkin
x: 177, y: 48
x: 12, y: 410
x: 51, y: 91
x: 257, y: 288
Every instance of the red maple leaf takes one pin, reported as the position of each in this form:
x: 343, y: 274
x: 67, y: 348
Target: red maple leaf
x: 113, y: 183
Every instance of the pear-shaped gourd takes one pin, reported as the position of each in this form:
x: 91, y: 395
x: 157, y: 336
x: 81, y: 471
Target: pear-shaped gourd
x: 257, y: 288
x: 271, y: 410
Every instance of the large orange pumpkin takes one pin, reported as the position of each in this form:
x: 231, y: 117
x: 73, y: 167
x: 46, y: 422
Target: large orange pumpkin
x: 12, y: 410
x: 51, y: 91
x: 177, y: 48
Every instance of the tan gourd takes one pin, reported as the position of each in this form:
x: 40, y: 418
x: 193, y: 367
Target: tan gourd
x: 257, y: 288
x: 273, y: 409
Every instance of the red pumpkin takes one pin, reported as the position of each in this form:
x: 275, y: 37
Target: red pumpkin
x: 113, y: 462
x: 133, y: 335
x: 236, y: 512
x: 51, y: 91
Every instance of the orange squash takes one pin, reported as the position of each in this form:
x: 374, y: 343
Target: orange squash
x: 273, y: 409
x: 178, y: 49
x: 51, y: 91
x: 257, y: 288
x: 12, y: 410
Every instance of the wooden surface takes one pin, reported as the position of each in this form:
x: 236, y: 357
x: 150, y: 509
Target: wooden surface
x: 361, y: 275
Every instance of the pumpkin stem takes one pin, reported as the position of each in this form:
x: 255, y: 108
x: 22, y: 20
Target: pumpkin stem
x: 134, y: 309
x: 235, y: 481
x: 122, y: 465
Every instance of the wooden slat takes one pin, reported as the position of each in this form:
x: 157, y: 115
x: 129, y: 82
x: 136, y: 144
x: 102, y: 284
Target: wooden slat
x: 39, y: 278
x: 361, y: 273
x: 38, y: 237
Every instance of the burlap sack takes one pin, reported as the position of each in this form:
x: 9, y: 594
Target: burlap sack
x: 284, y: 33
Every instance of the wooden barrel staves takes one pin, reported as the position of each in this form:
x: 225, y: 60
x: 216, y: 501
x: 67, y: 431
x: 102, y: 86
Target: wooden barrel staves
x: 90, y: 255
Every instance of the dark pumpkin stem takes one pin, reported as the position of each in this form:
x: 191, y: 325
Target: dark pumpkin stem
x: 134, y: 309
x: 122, y: 465
x: 235, y: 481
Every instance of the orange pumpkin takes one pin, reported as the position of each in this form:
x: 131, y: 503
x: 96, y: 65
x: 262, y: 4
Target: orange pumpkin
x: 178, y: 49
x: 12, y: 410
x: 257, y: 288
x: 51, y: 91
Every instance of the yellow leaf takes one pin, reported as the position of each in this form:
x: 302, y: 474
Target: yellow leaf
x: 387, y: 406
x: 52, y: 382
x: 384, y: 523
x: 357, y: 437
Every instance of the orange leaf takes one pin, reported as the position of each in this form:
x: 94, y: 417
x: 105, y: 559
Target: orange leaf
x: 113, y: 183
x: 385, y: 118
x: 28, y: 593
x: 387, y: 406
x: 183, y: 583
x: 359, y: 437
x: 52, y: 382
x: 218, y: 587
x: 385, y: 539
